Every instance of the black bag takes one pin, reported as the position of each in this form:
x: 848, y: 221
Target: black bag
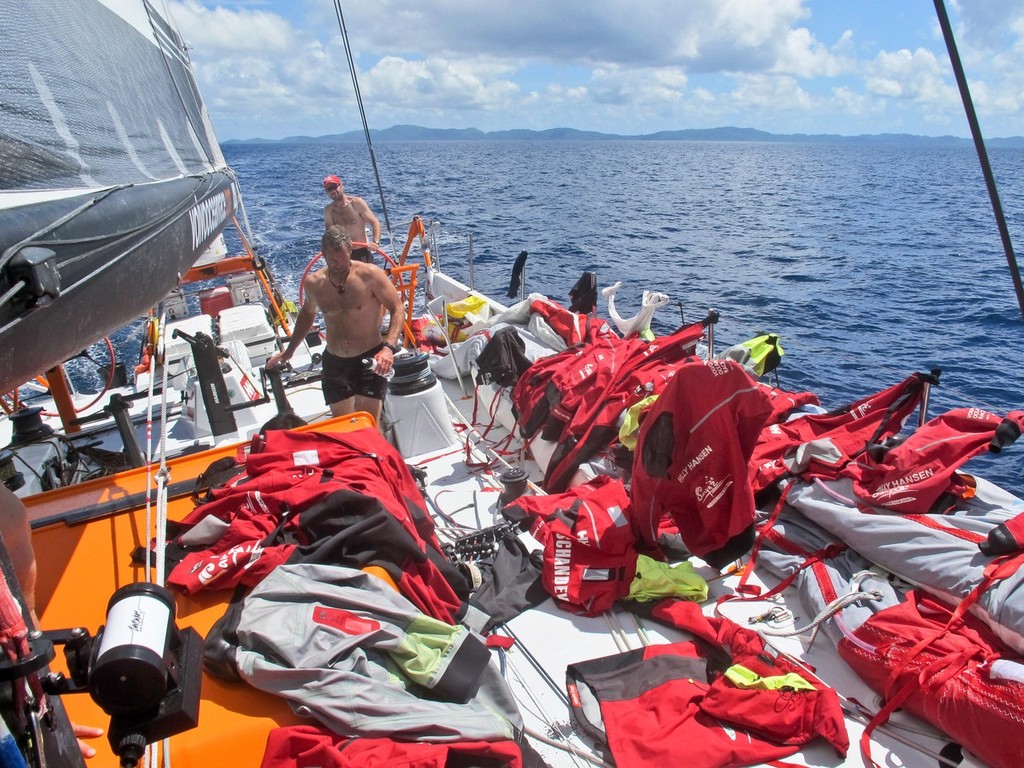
x: 503, y: 359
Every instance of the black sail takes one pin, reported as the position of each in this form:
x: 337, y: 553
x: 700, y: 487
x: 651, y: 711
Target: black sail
x: 112, y: 183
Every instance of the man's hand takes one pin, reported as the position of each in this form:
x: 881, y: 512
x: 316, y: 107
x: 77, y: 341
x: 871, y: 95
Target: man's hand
x: 274, y: 360
x: 385, y: 360
x: 86, y: 732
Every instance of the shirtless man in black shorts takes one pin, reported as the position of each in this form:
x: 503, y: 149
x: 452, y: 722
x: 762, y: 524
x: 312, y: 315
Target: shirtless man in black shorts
x: 352, y: 296
x: 353, y: 214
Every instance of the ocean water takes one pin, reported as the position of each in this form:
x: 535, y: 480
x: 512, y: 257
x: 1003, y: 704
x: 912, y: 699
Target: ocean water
x: 869, y: 261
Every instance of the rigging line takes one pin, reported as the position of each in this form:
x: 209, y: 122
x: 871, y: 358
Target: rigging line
x: 535, y: 663
x: 540, y: 712
x: 362, y: 115
x: 177, y: 46
x: 566, y: 747
x: 979, y: 145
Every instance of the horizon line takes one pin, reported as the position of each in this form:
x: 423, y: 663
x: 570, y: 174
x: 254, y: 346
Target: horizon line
x: 725, y: 133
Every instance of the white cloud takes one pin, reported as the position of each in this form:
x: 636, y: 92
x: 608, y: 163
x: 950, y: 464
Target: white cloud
x: 918, y: 76
x: 637, y: 86
x: 440, y: 83
x: 223, y: 30
x: 806, y: 57
x: 779, y: 93
x: 629, y: 66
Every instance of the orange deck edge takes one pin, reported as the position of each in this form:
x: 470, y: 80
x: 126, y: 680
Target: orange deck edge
x: 80, y: 567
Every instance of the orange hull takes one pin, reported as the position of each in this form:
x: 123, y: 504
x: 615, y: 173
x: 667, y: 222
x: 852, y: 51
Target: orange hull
x: 81, y: 564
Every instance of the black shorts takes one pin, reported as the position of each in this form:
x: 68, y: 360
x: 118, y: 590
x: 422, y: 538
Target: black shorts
x: 345, y: 377
x: 362, y: 254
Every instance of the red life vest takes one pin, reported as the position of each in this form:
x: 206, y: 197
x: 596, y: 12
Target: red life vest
x: 247, y: 512
x: 368, y: 463
x: 691, y: 460
x: 820, y: 445
x: 589, y: 554
x: 303, y: 746
x: 636, y: 369
x: 783, y: 402
x: 574, y: 327
x: 911, y: 477
x: 362, y: 507
x: 529, y: 394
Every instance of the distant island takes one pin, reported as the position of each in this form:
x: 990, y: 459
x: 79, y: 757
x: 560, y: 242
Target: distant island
x: 418, y: 133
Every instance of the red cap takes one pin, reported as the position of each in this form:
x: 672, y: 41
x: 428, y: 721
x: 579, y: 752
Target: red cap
x: 332, y: 181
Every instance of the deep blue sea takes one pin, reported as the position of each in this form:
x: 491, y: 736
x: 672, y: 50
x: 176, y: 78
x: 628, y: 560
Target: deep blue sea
x: 869, y: 261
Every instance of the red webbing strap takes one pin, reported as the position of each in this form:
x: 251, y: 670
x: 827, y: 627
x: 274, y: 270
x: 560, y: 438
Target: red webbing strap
x: 742, y: 587
x: 500, y: 447
x: 476, y: 465
x: 439, y: 456
x: 999, y: 568
x: 12, y: 623
x: 822, y: 554
x: 476, y: 408
x: 812, y: 560
x: 14, y: 643
x: 926, y: 521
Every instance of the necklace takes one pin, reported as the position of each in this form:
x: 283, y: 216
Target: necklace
x: 339, y: 286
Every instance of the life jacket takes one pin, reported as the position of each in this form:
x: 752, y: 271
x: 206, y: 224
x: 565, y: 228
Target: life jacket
x: 672, y: 705
x: 913, y: 475
x: 963, y: 681
x: 530, y: 401
x: 820, y: 445
x: 759, y: 355
x: 577, y: 389
x: 784, y: 403
x: 691, y: 460
x: 573, y: 327
x: 589, y: 554
x: 365, y: 511
x: 633, y: 370
x: 247, y: 530
x: 300, y: 746
x: 369, y: 463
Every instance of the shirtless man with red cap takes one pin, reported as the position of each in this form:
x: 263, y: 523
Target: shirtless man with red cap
x: 353, y: 214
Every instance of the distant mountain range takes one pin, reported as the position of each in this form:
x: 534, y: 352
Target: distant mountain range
x: 418, y: 133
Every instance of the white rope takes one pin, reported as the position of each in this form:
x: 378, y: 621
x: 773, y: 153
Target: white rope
x: 827, y: 612
x: 153, y: 751
x: 149, y: 437
x: 164, y: 474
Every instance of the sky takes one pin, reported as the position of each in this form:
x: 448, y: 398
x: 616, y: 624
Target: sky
x: 278, y: 68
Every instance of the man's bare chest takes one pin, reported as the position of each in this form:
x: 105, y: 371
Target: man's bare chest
x: 348, y: 296
x: 344, y: 214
